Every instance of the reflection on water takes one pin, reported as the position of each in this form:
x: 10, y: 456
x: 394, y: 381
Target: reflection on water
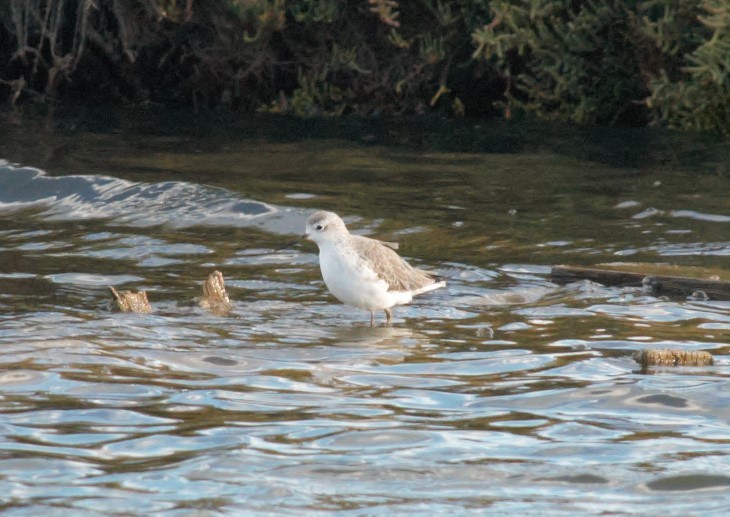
x: 501, y: 393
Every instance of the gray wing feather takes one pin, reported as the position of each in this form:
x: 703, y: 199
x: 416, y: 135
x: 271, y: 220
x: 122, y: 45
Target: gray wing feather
x: 389, y: 266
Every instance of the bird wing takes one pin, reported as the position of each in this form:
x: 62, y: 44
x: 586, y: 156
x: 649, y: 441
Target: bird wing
x: 389, y: 266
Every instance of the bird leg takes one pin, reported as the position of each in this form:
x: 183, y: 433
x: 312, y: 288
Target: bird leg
x: 372, y: 318
x: 388, y: 315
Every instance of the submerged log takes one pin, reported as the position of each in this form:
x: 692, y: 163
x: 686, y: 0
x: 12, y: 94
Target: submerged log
x: 654, y: 284
x: 215, y: 298
x: 655, y: 357
x: 131, y: 301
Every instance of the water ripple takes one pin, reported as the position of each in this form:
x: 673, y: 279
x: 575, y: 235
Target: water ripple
x: 291, y: 403
x: 175, y: 204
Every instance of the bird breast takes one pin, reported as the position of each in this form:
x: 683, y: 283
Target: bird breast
x: 352, y: 281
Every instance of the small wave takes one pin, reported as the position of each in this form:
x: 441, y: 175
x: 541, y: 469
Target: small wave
x: 700, y: 216
x: 173, y: 203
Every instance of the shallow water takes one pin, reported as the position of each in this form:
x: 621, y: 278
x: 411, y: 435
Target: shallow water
x: 501, y: 393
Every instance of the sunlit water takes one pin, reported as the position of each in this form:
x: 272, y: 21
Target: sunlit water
x: 502, y: 393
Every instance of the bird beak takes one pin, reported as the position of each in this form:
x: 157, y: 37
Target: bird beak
x: 306, y: 237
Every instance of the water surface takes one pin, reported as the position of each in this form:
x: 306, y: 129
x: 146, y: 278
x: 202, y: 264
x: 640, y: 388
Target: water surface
x: 501, y: 393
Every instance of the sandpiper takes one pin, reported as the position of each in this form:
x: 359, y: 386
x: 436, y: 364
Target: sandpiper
x: 363, y: 272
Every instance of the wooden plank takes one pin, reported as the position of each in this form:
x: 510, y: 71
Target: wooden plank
x: 655, y: 284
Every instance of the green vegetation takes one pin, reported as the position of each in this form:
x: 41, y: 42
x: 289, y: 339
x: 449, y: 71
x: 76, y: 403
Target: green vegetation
x: 609, y: 61
x: 691, y: 88
x: 594, y: 61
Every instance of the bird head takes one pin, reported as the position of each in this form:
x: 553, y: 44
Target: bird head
x: 322, y: 226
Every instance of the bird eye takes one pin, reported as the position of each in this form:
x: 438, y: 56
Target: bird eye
x: 318, y: 227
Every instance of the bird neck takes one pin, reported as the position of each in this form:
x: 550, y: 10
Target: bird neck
x: 334, y: 243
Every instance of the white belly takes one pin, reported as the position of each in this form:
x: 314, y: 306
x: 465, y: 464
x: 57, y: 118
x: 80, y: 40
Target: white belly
x: 352, y: 283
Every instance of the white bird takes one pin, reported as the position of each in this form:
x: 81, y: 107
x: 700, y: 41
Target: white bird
x: 363, y: 272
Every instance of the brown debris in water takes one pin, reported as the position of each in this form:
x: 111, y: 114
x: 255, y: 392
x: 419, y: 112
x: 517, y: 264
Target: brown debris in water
x: 131, y: 301
x: 667, y: 357
x: 215, y: 298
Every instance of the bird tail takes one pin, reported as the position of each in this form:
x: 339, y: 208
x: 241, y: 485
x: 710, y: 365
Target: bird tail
x: 429, y: 287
